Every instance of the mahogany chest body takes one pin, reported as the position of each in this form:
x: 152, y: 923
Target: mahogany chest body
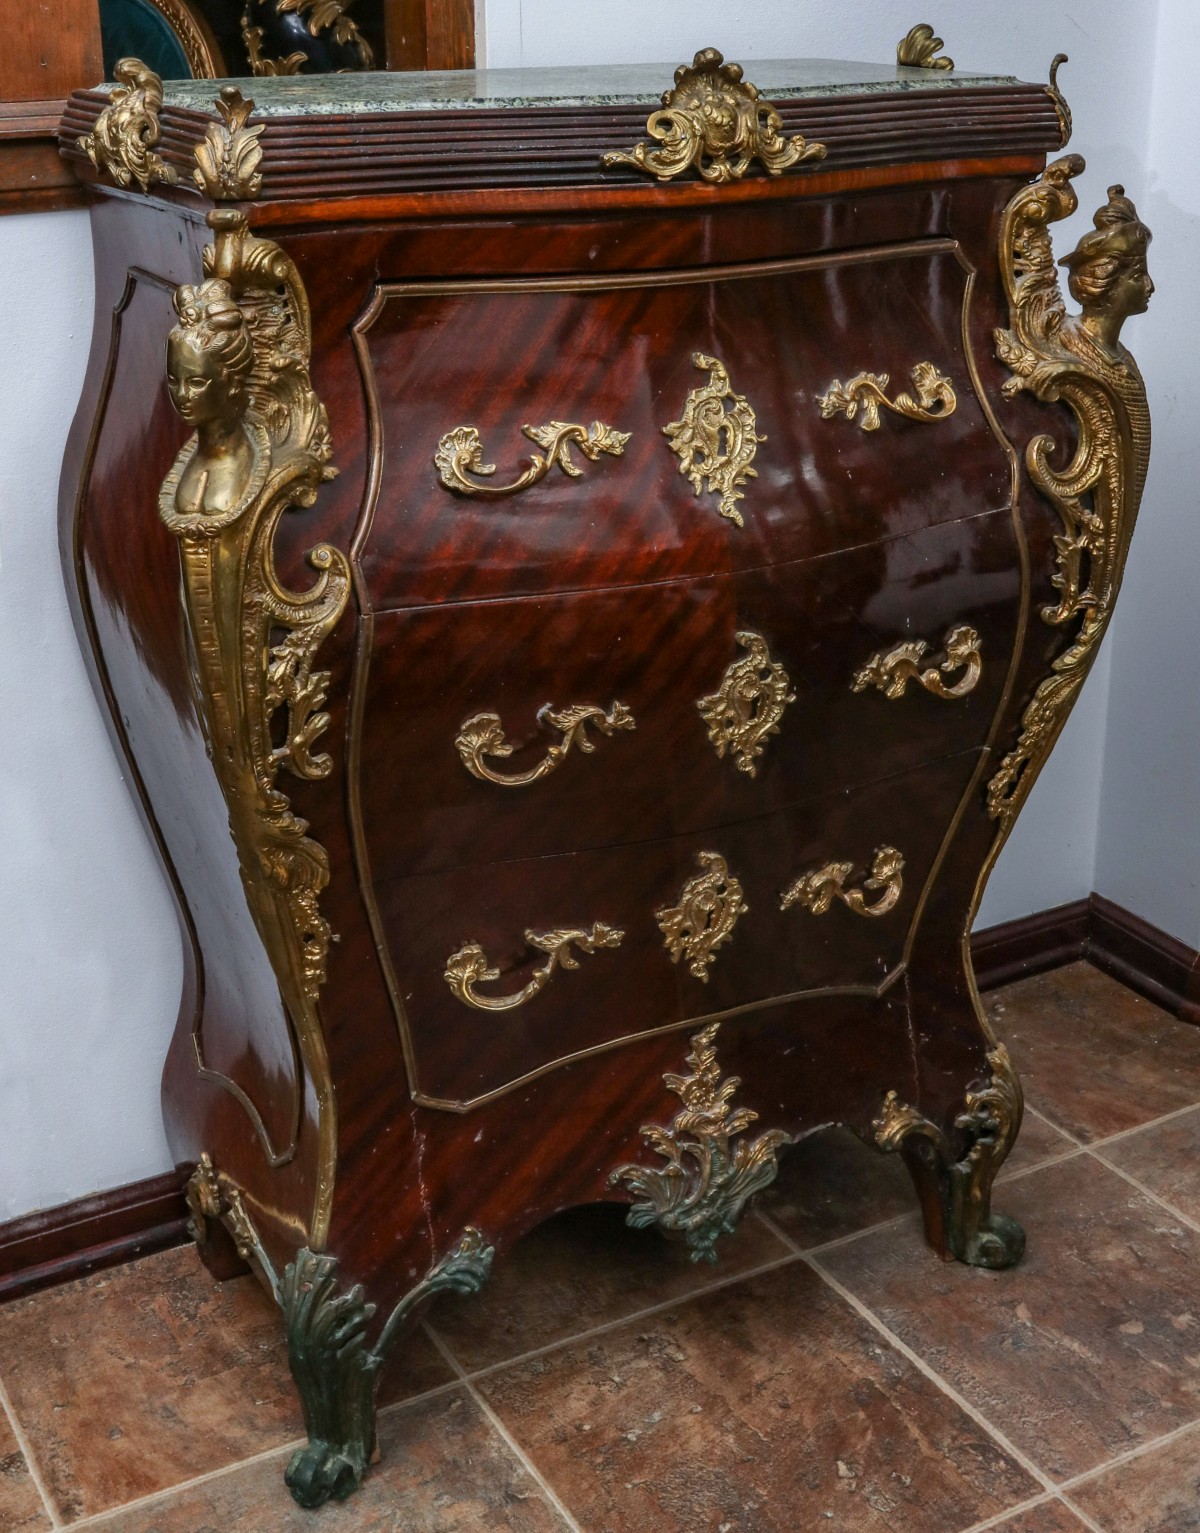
x: 589, y: 790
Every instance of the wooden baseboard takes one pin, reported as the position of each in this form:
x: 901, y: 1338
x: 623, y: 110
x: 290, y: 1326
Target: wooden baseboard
x: 57, y: 1244
x: 112, y: 1227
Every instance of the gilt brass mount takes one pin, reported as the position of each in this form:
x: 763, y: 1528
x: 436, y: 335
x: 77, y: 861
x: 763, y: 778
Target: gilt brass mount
x: 714, y: 121
x: 920, y: 49
x: 715, y: 438
x: 469, y: 966
x: 709, y: 907
x: 124, y: 140
x: 1077, y: 360
x: 702, y: 1190
x: 460, y: 453
x: 816, y: 891
x: 935, y: 397
x: 891, y: 670
x: 482, y: 735
x: 746, y: 708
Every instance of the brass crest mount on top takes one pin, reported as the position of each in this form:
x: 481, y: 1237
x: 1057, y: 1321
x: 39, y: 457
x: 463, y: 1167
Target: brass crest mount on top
x: 715, y: 122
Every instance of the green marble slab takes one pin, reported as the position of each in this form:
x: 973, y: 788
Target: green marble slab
x: 606, y: 85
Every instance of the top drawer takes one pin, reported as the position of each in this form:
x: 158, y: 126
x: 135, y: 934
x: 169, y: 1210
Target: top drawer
x: 494, y: 357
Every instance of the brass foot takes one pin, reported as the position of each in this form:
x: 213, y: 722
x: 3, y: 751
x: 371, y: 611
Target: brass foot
x: 955, y: 1184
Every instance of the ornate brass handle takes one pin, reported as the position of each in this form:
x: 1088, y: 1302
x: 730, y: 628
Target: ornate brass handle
x: 891, y: 670
x: 460, y: 452
x: 935, y: 399
x: 817, y: 890
x: 469, y: 967
x: 483, y: 735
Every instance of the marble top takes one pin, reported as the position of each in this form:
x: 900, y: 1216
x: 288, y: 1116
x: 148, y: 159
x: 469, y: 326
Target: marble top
x: 603, y: 85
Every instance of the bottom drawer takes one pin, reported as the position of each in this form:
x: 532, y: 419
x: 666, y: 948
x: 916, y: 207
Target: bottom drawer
x: 483, y: 1004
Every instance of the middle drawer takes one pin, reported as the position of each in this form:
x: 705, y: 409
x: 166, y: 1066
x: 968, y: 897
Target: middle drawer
x: 640, y: 690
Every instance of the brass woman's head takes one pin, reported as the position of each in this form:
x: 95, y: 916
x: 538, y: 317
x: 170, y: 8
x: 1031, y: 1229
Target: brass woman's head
x: 210, y: 355
x: 1107, y: 271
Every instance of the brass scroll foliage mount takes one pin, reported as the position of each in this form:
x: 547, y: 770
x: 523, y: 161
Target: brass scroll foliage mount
x: 990, y: 1124
x: 125, y: 138
x: 1059, y: 100
x: 716, y: 438
x: 1077, y: 360
x: 702, y: 1190
x: 935, y: 398
x: 237, y: 366
x: 320, y: 16
x: 228, y: 158
x: 891, y: 670
x: 713, y: 121
x: 920, y: 49
x: 460, y: 453
x: 482, y: 735
x: 469, y: 966
x: 746, y: 708
x: 710, y: 905
x: 816, y: 891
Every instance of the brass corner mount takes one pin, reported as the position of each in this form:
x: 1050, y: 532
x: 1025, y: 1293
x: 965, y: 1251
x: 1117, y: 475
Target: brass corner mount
x: 125, y: 138
x: 713, y: 121
x: 920, y: 49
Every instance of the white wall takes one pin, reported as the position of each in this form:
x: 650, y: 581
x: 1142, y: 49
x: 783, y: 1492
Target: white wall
x: 90, y: 978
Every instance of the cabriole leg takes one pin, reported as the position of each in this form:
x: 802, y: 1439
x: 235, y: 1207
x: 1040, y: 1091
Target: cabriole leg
x: 954, y: 1174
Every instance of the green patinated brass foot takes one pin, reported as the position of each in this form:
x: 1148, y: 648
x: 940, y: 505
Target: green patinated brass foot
x: 954, y: 1175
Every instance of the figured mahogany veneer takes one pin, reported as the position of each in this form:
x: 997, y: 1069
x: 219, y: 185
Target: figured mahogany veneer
x: 482, y: 269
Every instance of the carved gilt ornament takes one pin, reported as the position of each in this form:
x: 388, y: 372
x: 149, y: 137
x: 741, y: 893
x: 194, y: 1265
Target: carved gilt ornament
x: 1079, y: 361
x: 469, y: 966
x: 816, y: 890
x: 891, y: 670
x: 921, y: 50
x: 935, y: 398
x: 746, y: 708
x: 237, y: 369
x: 124, y: 140
x: 710, y: 1172
x: 228, y: 157
x: 715, y: 438
x: 710, y: 905
x: 460, y: 453
x: 482, y: 735
x: 713, y: 121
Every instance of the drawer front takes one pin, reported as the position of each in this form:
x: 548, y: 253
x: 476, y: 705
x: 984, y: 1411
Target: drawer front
x: 464, y: 1043
x: 659, y: 766
x: 491, y: 359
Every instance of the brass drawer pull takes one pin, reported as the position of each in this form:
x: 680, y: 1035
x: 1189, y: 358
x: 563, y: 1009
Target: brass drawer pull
x: 696, y: 438
x: 935, y: 399
x: 469, y: 967
x: 746, y: 708
x: 483, y: 735
x: 817, y: 890
x: 708, y: 910
x: 891, y: 670
x: 460, y: 452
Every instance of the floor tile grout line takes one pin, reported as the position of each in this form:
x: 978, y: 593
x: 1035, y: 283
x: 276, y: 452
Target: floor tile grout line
x: 931, y: 1373
x: 502, y: 1431
x: 1043, y: 1498
x: 1147, y: 1192
x: 1036, y: 1112
x: 1084, y: 1517
x: 1141, y: 1128
x: 98, y: 1519
x: 472, y: 1374
x: 1129, y: 1455
x: 49, y: 1504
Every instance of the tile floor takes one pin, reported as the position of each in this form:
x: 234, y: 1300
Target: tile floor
x: 830, y: 1372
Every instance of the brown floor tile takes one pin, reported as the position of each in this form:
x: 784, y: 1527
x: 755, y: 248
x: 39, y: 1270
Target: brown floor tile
x: 137, y: 1378
x: 1166, y: 1158
x: 1049, y: 1517
x: 1088, y: 1348
x: 764, y: 1407
x: 21, y: 1509
x: 1096, y: 1058
x: 444, y: 1470
x: 1156, y: 1493
x: 582, y: 1269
